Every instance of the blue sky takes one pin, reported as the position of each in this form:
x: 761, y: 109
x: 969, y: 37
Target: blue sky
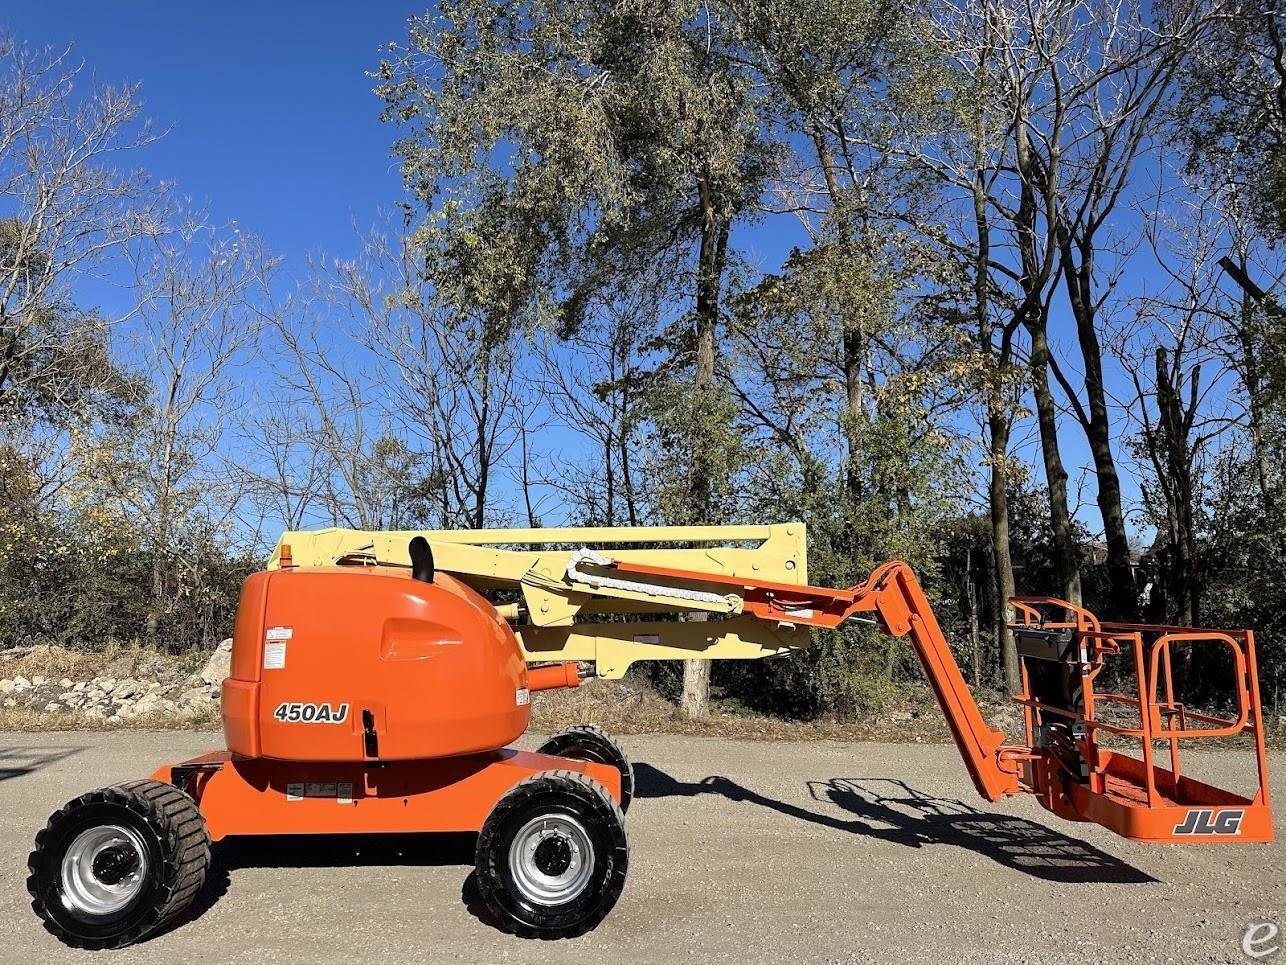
x: 272, y: 122
x: 271, y: 116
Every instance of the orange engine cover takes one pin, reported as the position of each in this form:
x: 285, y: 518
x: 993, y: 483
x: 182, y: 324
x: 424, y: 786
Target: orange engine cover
x: 363, y: 664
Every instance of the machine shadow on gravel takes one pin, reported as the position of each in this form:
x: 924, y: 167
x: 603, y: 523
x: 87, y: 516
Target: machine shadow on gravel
x: 371, y: 851
x: 891, y: 810
x: 320, y: 851
x: 21, y: 761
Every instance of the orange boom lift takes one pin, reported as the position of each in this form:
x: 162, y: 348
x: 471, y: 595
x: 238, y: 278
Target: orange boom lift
x: 378, y: 693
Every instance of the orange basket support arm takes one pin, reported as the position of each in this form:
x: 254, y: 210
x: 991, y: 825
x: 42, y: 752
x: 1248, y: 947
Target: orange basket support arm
x: 905, y: 610
x: 895, y: 597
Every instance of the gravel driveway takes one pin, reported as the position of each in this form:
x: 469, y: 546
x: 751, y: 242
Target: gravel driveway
x: 741, y: 852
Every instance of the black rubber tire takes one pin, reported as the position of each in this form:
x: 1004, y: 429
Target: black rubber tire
x: 553, y: 792
x: 586, y: 742
x: 169, y: 825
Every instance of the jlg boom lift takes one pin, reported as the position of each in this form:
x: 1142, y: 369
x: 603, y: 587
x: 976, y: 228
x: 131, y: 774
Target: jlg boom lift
x: 377, y: 679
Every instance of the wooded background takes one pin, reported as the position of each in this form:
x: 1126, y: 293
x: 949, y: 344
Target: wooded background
x: 1028, y: 336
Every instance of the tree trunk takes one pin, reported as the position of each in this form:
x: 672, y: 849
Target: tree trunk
x: 479, y: 514
x: 855, y: 389
x: 854, y: 341
x: 710, y: 265
x: 1123, y: 599
x: 161, y: 550
x: 696, y: 684
x: 1066, y: 563
x: 971, y: 601
x: 1175, y: 456
x: 999, y: 427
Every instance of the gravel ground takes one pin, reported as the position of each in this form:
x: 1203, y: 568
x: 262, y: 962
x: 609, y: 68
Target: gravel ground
x: 740, y: 852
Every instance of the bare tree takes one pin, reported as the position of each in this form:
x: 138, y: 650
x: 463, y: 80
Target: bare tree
x: 284, y: 474
x: 1110, y: 83
x: 591, y: 385
x: 1173, y: 355
x: 358, y: 468
x: 193, y: 330
x: 449, y: 375
x: 1003, y: 240
x: 66, y: 210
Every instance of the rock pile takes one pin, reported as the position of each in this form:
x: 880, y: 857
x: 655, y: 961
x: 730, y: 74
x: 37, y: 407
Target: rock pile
x: 126, y: 689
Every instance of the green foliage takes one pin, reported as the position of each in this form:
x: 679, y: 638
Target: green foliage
x: 80, y: 577
x: 1232, y: 109
x: 693, y: 432
x: 557, y: 143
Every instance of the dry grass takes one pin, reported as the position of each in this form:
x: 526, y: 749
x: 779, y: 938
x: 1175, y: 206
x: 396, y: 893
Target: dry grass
x: 627, y: 707
x: 59, y: 662
x: 30, y: 720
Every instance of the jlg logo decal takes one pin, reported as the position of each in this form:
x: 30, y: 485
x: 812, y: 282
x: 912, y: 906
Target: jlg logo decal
x: 296, y: 713
x: 1207, y: 821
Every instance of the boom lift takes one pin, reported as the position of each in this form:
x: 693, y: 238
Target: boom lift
x: 377, y: 679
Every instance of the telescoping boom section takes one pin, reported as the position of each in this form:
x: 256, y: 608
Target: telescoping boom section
x: 609, y: 597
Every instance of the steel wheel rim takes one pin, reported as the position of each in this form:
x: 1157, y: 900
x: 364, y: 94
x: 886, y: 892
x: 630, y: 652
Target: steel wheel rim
x: 103, y: 870
x: 551, y: 859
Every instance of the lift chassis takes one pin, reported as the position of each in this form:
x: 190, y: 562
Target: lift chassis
x: 378, y: 679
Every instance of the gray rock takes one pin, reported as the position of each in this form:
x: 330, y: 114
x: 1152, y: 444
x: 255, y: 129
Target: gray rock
x: 219, y: 665
x: 20, y: 684
x: 126, y: 689
x: 122, y: 666
x: 17, y: 651
x: 196, y: 695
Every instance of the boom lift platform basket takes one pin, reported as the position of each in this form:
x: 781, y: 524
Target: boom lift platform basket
x: 1064, y: 717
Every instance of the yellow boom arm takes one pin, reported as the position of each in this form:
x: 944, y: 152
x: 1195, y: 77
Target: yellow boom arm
x: 575, y: 612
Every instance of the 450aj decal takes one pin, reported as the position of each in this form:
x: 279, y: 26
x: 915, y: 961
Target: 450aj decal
x: 291, y: 712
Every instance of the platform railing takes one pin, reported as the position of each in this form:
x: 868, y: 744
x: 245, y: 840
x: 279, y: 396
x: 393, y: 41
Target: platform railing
x: 1168, y: 719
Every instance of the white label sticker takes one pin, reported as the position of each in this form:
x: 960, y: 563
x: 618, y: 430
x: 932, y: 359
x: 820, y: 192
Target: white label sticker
x: 294, y: 792
x: 647, y: 638
x: 274, y: 656
x: 345, y: 793
x: 522, y: 697
x: 279, y: 633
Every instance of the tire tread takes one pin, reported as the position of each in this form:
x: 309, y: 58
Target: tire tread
x: 566, y: 742
x: 490, y: 880
x: 179, y: 827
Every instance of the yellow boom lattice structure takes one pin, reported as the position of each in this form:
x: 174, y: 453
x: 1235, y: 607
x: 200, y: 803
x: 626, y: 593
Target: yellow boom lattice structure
x: 575, y: 612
